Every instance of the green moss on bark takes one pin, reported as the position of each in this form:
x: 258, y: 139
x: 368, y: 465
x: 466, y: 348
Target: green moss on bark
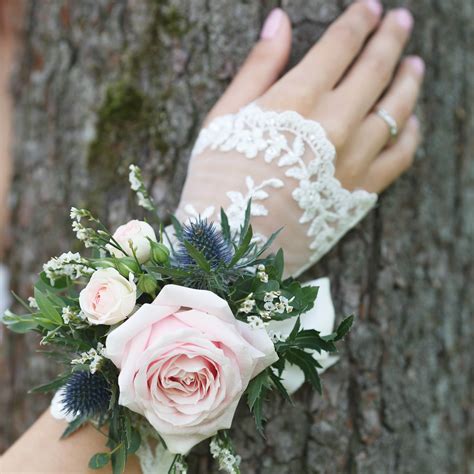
x: 132, y: 122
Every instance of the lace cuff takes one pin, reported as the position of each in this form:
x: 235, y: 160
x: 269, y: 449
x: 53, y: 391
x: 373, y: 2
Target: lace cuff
x: 304, y: 159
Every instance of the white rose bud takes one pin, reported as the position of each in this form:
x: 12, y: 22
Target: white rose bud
x: 108, y: 298
x: 135, y: 234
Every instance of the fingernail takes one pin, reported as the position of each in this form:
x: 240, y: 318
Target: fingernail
x: 418, y: 65
x: 375, y: 6
x: 272, y: 24
x: 405, y: 18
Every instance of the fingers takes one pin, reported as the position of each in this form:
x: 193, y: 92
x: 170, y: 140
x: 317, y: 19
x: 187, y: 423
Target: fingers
x: 373, y: 71
x: 392, y: 162
x: 326, y: 62
x: 261, y: 68
x: 399, y: 101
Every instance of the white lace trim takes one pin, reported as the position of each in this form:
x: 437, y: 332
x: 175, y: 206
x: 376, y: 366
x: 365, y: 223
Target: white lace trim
x: 285, y: 137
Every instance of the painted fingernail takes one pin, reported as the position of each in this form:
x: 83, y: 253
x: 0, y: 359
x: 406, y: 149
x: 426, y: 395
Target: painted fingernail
x: 418, y: 65
x: 375, y: 6
x: 272, y: 24
x: 405, y: 18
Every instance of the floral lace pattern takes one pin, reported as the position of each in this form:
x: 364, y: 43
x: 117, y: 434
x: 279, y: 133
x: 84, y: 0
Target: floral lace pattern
x: 288, y: 139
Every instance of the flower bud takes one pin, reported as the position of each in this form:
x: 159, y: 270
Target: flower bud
x: 127, y: 265
x: 147, y: 284
x: 159, y: 253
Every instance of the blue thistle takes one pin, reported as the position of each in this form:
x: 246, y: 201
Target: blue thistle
x: 86, y: 394
x: 203, y: 236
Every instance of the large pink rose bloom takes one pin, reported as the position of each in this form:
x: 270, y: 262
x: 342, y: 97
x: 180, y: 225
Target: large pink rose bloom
x: 185, y: 362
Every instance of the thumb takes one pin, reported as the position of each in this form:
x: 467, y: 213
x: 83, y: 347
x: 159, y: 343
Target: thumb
x: 262, y: 66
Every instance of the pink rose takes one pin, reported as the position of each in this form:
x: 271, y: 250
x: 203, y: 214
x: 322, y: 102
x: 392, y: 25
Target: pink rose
x: 137, y: 235
x: 108, y: 298
x: 185, y: 362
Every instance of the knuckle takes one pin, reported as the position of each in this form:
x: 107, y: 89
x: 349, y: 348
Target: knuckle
x: 404, y: 108
x: 337, y: 133
x: 406, y: 156
x: 378, y: 64
x: 348, y: 33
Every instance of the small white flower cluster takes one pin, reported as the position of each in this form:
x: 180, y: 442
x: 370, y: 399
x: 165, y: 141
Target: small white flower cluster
x: 262, y: 274
x: 248, y: 305
x: 84, y: 234
x: 281, y: 306
x: 228, y: 461
x: 135, y: 177
x: 94, y: 356
x: 255, y: 322
x: 137, y: 185
x: 68, y: 264
x: 276, y: 336
x: 69, y: 314
x: 32, y: 303
x: 180, y: 467
x: 77, y: 214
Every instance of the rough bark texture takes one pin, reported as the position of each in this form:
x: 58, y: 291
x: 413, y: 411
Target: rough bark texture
x: 105, y: 83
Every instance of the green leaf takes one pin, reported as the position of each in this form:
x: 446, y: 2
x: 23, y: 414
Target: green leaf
x: 255, y: 388
x: 119, y: 459
x: 59, y: 284
x: 307, y: 339
x: 344, y: 328
x: 246, y: 224
x: 99, y: 460
x: 46, y: 323
x: 268, y: 243
x: 307, y: 364
x: 225, y: 226
x: 169, y: 271
x: 279, y: 265
x: 134, y: 442
x: 242, y: 248
x: 197, y: 256
x: 258, y: 414
x: 47, y: 309
x: 21, y: 326
x: 295, y: 330
x: 256, y: 392
x: 74, y: 426
x: 276, y: 380
x: 51, y: 386
x: 178, y: 228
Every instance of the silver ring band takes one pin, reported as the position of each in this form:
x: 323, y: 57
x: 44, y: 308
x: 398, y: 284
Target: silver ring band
x: 390, y: 121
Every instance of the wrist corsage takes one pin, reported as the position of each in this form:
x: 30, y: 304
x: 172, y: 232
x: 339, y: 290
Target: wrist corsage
x: 162, y: 331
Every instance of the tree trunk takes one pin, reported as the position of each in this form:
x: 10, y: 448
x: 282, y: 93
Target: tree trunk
x: 101, y: 84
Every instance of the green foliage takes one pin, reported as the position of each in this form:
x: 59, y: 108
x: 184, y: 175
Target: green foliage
x: 244, y: 274
x: 99, y: 460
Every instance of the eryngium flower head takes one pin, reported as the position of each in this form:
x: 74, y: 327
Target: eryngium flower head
x: 86, y: 394
x: 203, y: 236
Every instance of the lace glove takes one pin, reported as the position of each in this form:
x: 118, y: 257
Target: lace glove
x: 285, y: 164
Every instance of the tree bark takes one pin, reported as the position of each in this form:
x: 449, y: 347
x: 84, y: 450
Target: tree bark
x: 101, y: 84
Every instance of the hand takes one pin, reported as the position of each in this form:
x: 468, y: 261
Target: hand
x: 342, y: 80
x: 340, y: 83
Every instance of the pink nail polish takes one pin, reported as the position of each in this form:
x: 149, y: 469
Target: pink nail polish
x: 405, y: 18
x: 272, y: 24
x: 418, y: 65
x: 375, y: 6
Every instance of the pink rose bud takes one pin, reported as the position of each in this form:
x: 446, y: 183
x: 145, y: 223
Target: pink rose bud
x: 134, y: 237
